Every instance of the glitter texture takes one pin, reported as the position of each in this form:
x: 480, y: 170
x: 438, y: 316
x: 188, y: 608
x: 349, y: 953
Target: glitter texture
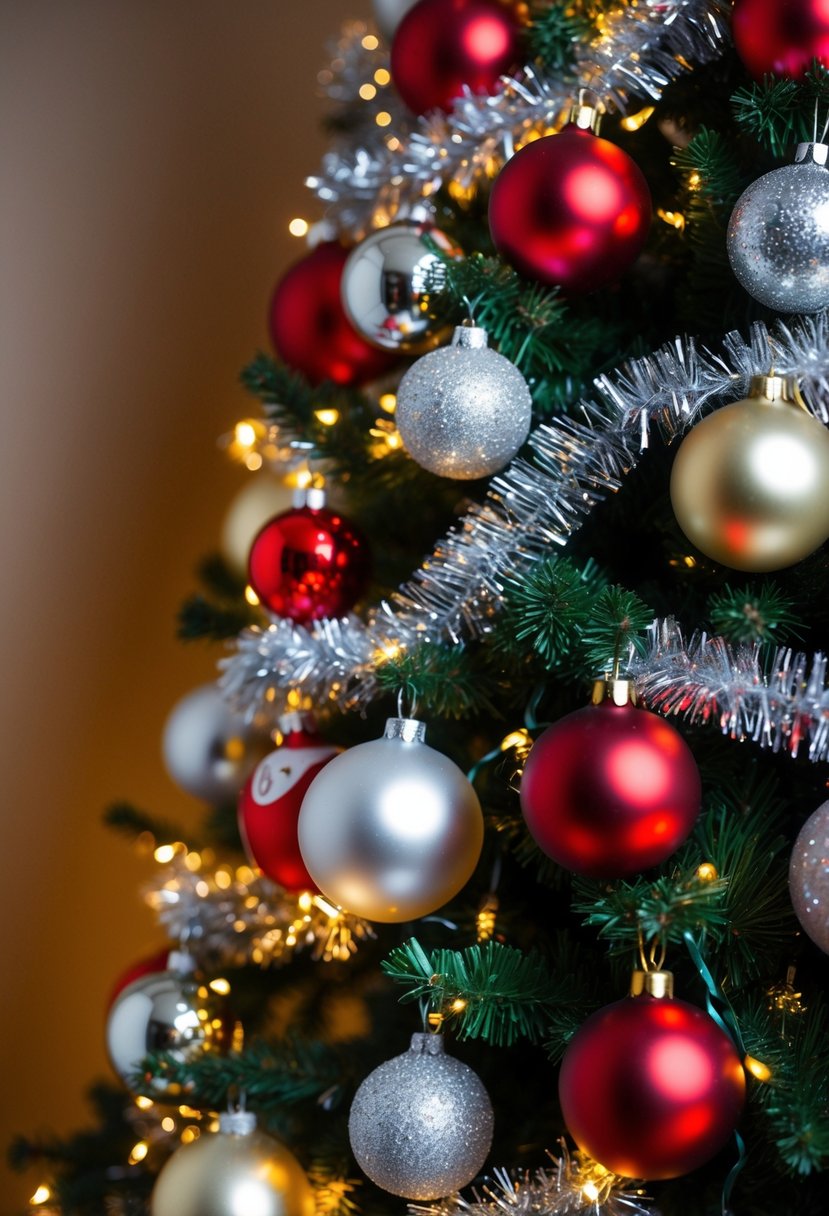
x: 463, y: 411
x: 809, y: 877
x: 421, y: 1124
x: 778, y: 235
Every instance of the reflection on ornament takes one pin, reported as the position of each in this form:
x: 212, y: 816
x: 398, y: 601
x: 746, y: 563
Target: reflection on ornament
x: 237, y: 1171
x: 385, y: 286
x: 651, y: 1086
x: 421, y: 1124
x: 571, y: 210
x: 407, y: 832
x: 309, y: 562
x: 463, y: 411
x: 441, y: 48
x: 780, y: 36
x: 610, y: 789
x: 175, y: 1011
x: 309, y: 328
x: 778, y: 234
x: 809, y: 877
x: 209, y: 750
x: 750, y: 483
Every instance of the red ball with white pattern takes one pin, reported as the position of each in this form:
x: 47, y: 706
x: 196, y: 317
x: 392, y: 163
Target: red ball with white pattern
x: 271, y: 799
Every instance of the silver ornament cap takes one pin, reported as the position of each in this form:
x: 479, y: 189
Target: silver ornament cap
x: 778, y: 234
x: 421, y: 1124
x: 391, y: 829
x: 463, y: 411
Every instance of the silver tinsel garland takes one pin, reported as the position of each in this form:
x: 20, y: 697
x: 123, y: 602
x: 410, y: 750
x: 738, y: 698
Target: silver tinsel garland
x: 574, y: 1186
x: 533, y: 506
x: 381, y: 171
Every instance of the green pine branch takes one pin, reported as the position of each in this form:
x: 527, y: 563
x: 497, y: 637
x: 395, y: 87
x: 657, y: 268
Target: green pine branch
x: 553, y: 34
x: 491, y: 991
x: 617, y: 623
x: 132, y: 822
x: 446, y: 681
x: 754, y: 614
x: 548, y: 607
x: 781, y: 112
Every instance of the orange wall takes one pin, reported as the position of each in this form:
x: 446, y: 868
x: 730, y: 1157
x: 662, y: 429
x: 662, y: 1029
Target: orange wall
x: 151, y: 155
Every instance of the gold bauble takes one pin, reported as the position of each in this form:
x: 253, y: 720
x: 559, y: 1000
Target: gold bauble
x: 260, y: 498
x: 238, y: 1169
x: 750, y: 484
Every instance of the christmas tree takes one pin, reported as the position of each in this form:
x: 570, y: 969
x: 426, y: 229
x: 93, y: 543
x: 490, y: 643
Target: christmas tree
x: 511, y: 888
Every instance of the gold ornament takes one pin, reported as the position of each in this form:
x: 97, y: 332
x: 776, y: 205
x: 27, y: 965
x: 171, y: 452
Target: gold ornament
x: 238, y: 1169
x: 260, y: 498
x: 750, y: 483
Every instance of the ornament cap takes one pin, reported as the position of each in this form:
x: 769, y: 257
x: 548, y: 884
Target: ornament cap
x: 619, y: 691
x: 312, y: 497
x: 424, y: 1044
x: 237, y: 1123
x: 773, y: 389
x: 586, y: 116
x: 815, y: 152
x: 659, y: 984
x: 470, y: 337
x: 181, y: 960
x: 410, y: 730
x: 291, y: 723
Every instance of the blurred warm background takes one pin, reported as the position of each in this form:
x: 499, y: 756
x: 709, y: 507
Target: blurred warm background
x: 152, y: 155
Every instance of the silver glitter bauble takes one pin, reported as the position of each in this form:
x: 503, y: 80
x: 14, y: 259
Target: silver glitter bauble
x: 174, y: 1010
x: 209, y: 750
x: 750, y: 483
x: 384, y: 287
x: 809, y: 877
x: 463, y: 411
x: 389, y: 13
x: 421, y: 1124
x: 778, y: 235
x: 237, y: 1170
x: 391, y: 830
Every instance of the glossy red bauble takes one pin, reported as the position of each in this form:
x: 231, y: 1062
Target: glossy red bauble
x: 651, y: 1087
x: 571, y: 210
x: 309, y: 329
x: 309, y: 563
x: 610, y: 790
x: 442, y: 45
x: 269, y: 806
x: 781, y: 36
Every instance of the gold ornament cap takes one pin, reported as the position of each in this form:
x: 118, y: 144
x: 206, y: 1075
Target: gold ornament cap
x: 587, y: 112
x: 616, y: 689
x: 652, y: 983
x: 772, y: 389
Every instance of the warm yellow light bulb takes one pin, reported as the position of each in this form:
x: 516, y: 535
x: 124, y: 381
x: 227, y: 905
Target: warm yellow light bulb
x: 388, y: 402
x: 244, y: 434
x: 251, y: 596
x: 298, y: 226
x: 382, y: 76
x: 370, y: 42
x: 165, y: 853
x: 367, y: 91
x: 757, y: 1068
x: 632, y: 122
x: 590, y: 1191
x: 220, y: 985
x: 41, y: 1195
x: 707, y: 872
x: 383, y: 119
x: 139, y: 1152
x: 327, y: 417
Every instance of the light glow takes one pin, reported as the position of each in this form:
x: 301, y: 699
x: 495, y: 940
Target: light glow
x: 298, y: 226
x: 41, y: 1195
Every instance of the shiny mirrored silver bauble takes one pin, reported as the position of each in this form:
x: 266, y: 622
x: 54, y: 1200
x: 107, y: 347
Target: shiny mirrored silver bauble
x: 384, y: 287
x: 209, y: 750
x: 391, y: 830
x: 778, y: 235
x: 421, y: 1124
x: 463, y: 411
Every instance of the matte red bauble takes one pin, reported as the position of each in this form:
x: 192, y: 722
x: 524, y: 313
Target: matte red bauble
x: 571, y: 210
x: 610, y: 790
x: 309, y: 563
x: 270, y: 801
x: 442, y: 45
x: 651, y: 1087
x: 309, y: 328
x: 781, y: 36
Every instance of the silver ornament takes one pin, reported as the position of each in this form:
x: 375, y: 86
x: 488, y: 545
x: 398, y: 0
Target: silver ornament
x: 390, y: 830
x: 384, y: 287
x: 235, y: 1170
x: 209, y: 750
x: 421, y: 1124
x: 809, y: 877
x: 174, y: 1010
x: 389, y: 13
x: 778, y: 235
x: 463, y: 411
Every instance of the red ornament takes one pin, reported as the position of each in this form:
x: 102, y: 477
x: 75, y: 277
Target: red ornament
x: 270, y: 801
x: 610, y: 790
x: 781, y: 36
x: 442, y: 45
x: 144, y: 966
x: 309, y: 328
x: 309, y: 563
x: 571, y: 210
x: 651, y: 1087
